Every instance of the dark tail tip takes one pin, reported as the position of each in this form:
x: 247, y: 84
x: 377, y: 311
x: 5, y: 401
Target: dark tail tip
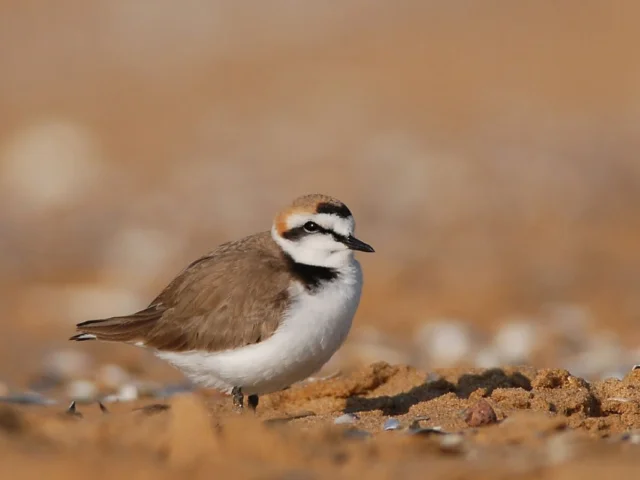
x: 83, y: 337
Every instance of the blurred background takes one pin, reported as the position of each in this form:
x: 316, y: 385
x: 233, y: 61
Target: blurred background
x: 487, y: 149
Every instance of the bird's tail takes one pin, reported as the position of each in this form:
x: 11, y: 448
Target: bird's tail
x: 130, y: 328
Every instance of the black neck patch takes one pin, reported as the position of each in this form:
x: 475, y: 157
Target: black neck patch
x: 311, y: 276
x: 340, y: 210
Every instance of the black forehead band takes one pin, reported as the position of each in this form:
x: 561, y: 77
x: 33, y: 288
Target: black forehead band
x: 334, y: 209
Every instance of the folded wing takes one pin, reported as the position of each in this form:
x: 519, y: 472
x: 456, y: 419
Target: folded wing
x: 233, y: 297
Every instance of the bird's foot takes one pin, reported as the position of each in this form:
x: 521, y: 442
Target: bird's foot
x: 253, y: 400
x: 238, y: 399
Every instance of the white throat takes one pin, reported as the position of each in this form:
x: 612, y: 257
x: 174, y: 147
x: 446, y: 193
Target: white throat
x: 318, y: 257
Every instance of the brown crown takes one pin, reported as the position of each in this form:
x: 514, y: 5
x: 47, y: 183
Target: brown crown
x: 309, y: 204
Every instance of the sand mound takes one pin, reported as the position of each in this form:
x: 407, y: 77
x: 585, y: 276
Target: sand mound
x: 392, y: 421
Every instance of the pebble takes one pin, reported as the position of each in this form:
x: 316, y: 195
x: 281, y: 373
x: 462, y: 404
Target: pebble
x: 133, y: 391
x: 632, y: 437
x: 446, y: 342
x: 481, y: 413
x: 346, y: 419
x: 561, y: 448
x: 487, y: 357
x: 391, y: 424
x: 452, y: 443
x: 82, y: 390
x: 128, y: 393
x: 515, y: 341
x: 112, y: 376
x: 66, y: 364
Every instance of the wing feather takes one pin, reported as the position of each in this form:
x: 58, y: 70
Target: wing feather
x: 232, y: 297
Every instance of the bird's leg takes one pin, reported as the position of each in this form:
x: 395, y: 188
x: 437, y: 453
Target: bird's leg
x: 238, y: 398
x: 252, y: 400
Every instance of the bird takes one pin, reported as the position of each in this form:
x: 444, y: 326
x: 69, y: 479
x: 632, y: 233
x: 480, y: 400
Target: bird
x: 258, y: 314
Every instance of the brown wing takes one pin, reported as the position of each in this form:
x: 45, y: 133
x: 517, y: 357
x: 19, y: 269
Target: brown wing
x: 234, y: 296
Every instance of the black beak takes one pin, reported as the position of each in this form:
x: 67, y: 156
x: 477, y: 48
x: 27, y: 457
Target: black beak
x: 354, y: 244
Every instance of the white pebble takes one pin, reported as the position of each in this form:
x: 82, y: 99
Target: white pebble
x: 112, y: 376
x: 561, y: 447
x: 634, y: 437
x: 446, y: 342
x: 346, y: 419
x: 391, y: 424
x: 515, y: 341
x: 452, y: 442
x: 487, y: 357
x: 82, y: 390
x: 602, y: 354
x: 67, y: 364
x: 127, y: 393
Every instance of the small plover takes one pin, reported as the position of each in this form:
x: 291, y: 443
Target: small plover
x: 258, y: 314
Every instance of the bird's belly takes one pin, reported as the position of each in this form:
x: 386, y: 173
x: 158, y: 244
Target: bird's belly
x: 269, y: 366
x: 310, y: 334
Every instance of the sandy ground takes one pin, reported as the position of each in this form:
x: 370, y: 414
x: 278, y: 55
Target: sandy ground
x: 488, y: 151
x: 512, y: 423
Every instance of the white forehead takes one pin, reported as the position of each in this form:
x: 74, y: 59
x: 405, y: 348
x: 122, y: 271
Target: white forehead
x: 330, y: 221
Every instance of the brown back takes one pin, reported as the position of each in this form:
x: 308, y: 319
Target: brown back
x: 232, y: 297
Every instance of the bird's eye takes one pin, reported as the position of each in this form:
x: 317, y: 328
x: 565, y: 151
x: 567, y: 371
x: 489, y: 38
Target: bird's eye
x: 311, y: 227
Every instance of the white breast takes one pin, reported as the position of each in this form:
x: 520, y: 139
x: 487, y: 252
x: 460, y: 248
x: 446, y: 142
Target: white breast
x: 315, y: 326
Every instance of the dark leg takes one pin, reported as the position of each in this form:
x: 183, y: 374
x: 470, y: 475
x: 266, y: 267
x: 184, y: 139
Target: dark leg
x: 238, y: 398
x: 252, y: 400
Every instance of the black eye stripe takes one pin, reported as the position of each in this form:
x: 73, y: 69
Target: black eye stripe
x: 297, y: 233
x: 294, y: 234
